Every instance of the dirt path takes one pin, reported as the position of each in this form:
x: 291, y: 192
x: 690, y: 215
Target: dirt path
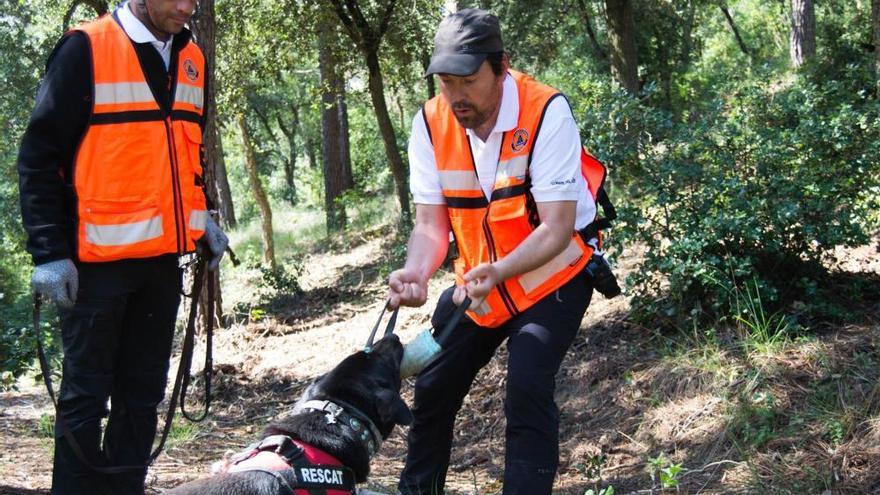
x: 618, y: 397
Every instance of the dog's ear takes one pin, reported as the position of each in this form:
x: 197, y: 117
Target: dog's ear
x: 393, y: 409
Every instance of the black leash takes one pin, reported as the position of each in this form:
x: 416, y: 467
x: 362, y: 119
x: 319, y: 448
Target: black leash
x: 453, y: 320
x: 181, y: 382
x: 208, y: 370
x: 389, y: 328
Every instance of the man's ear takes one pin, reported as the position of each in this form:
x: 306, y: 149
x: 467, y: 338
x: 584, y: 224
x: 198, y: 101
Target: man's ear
x: 393, y: 409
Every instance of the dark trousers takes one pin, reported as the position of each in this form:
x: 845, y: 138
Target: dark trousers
x: 117, y: 344
x: 537, y: 340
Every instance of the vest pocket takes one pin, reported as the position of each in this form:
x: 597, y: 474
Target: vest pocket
x: 193, y: 144
x: 119, y: 224
x: 509, y: 224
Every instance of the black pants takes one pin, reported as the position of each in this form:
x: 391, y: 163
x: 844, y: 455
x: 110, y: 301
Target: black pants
x: 117, y: 344
x: 537, y: 340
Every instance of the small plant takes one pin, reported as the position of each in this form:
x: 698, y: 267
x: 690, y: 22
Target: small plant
x: 591, y: 469
x: 762, y: 331
x: 664, y: 471
x: 46, y: 426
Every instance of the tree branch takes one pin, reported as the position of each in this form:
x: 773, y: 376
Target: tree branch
x: 596, y: 46
x: 368, y: 37
x: 99, y: 6
x: 386, y: 18
x: 346, y: 21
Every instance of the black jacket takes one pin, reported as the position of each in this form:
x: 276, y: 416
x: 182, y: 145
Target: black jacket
x: 56, y: 128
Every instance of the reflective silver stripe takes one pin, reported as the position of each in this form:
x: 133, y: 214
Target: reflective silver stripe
x: 533, y: 279
x: 124, y: 92
x: 515, y: 167
x: 198, y: 219
x: 187, y: 93
x: 124, y: 234
x: 459, y: 180
x: 482, y: 309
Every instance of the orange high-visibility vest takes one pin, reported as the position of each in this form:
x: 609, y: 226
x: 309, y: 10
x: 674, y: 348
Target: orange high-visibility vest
x: 137, y: 172
x: 486, y: 231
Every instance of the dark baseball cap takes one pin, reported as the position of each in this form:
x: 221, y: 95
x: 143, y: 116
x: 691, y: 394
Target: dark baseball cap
x: 462, y: 42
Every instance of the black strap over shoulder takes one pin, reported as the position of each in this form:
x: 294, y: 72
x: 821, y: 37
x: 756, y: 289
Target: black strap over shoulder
x: 593, y: 228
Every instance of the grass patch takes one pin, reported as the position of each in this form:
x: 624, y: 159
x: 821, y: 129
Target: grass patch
x: 182, y: 431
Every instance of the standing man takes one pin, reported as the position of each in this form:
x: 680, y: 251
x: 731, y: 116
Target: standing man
x: 110, y: 177
x: 496, y: 159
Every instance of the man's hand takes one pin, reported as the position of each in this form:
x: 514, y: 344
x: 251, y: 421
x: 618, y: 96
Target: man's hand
x: 479, y: 281
x: 216, y: 241
x: 406, y: 288
x: 57, y: 280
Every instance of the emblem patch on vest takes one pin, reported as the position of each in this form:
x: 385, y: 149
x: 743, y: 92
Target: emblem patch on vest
x: 520, y: 139
x: 190, y: 69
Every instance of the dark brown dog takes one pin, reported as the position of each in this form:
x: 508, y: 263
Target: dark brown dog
x: 328, y: 440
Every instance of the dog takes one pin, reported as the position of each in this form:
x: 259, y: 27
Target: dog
x: 326, y: 443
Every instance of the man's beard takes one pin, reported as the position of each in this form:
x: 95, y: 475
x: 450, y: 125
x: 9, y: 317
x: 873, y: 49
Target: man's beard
x: 472, y: 121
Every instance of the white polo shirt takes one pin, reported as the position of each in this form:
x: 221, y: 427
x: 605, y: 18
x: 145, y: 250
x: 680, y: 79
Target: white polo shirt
x: 556, y: 160
x: 139, y: 33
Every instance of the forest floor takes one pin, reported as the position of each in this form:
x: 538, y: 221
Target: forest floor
x: 798, y: 416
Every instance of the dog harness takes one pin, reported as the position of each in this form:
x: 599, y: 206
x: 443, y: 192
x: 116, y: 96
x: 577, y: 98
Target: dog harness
x: 298, y: 467
x: 302, y: 468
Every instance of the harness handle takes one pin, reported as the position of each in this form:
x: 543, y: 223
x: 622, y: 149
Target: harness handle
x: 389, y: 328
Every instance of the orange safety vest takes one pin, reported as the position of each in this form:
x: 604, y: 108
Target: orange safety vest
x: 137, y: 172
x: 486, y: 231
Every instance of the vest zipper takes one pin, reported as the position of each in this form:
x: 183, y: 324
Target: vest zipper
x: 175, y: 185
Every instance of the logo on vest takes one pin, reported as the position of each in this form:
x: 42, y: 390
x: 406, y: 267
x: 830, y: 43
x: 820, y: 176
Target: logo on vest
x: 190, y: 69
x: 520, y: 139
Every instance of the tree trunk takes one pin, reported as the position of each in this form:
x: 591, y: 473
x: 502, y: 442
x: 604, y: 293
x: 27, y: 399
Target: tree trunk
x: 730, y: 22
x: 204, y: 30
x: 429, y: 80
x: 368, y: 39
x: 450, y: 7
x: 311, y: 146
x: 342, y: 106
x: 250, y: 161
x: 290, y: 164
x: 223, y: 191
x: 332, y: 153
x: 875, y: 22
x: 398, y: 168
x: 803, y: 31
x: 687, y: 42
x: 624, y: 53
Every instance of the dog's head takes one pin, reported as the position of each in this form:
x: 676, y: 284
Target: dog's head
x: 369, y: 381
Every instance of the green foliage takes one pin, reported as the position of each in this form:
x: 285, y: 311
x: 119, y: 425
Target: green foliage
x: 282, y: 279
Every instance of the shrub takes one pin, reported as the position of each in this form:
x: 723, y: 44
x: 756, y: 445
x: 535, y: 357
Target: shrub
x: 762, y: 188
